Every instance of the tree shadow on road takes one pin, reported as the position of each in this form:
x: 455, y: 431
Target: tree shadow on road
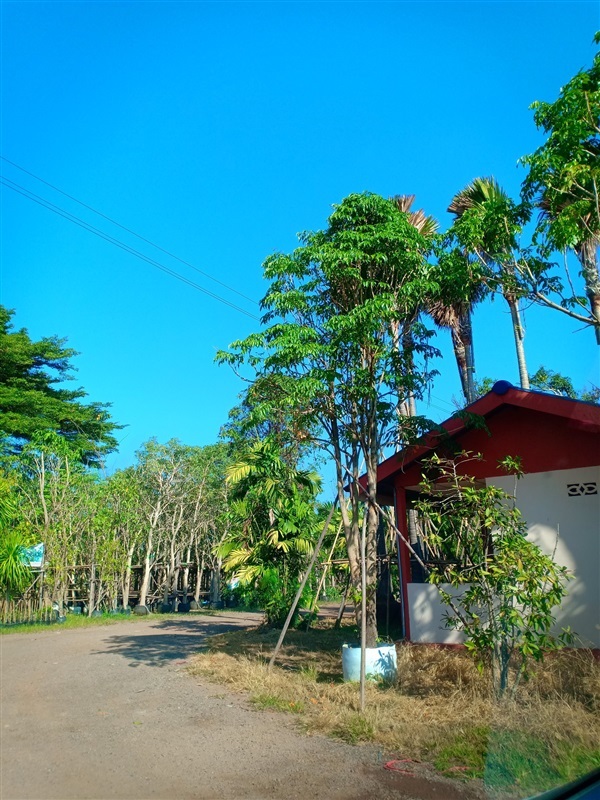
x: 168, y: 641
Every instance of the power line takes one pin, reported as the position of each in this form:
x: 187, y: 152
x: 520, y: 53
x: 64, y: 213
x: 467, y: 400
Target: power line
x: 128, y: 230
x: 112, y: 240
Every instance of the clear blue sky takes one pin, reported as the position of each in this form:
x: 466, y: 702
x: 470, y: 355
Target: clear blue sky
x: 219, y: 130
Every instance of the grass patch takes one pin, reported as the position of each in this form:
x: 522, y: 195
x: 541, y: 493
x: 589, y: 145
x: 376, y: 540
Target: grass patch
x: 356, y: 728
x: 272, y: 702
x: 507, y: 759
x: 440, y: 710
x: 81, y: 621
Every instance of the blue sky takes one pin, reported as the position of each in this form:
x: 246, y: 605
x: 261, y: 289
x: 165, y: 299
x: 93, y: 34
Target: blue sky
x: 218, y: 131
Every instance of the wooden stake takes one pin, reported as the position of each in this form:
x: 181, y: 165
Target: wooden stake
x: 302, y: 585
x: 342, y: 608
x: 325, y: 568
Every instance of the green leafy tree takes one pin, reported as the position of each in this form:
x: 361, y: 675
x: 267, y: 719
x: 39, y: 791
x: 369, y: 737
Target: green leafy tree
x: 58, y: 505
x: 33, y: 398
x: 15, y: 574
x: 546, y: 380
x: 121, y: 515
x: 336, y: 309
x: 273, y: 524
x: 500, y: 588
x: 564, y: 183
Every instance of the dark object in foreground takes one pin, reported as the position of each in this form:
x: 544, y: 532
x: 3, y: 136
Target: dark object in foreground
x: 585, y: 788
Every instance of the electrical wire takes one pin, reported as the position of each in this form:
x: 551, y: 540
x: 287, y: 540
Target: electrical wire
x: 112, y: 240
x: 128, y: 230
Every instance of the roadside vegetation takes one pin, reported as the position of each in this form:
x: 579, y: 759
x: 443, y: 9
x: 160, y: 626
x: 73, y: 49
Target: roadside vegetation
x: 344, y: 353
x: 70, y: 622
x: 441, y: 710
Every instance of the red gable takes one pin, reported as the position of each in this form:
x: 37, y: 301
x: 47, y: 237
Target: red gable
x: 546, y: 431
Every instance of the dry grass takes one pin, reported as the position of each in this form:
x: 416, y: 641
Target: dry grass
x: 441, y: 708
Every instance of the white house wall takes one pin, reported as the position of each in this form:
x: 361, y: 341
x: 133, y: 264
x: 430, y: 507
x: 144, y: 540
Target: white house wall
x: 427, y: 615
x: 567, y: 519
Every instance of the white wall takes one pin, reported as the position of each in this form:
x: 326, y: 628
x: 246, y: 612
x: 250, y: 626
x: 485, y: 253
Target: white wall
x: 427, y: 615
x: 572, y: 526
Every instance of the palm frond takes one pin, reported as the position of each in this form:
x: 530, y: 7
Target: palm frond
x: 479, y: 191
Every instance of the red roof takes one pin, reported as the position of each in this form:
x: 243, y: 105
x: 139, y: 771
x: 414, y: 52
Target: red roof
x: 547, y: 431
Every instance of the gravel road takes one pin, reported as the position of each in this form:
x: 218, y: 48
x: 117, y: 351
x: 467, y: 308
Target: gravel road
x: 110, y: 712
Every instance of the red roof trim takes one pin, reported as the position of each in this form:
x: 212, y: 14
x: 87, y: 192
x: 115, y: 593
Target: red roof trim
x: 502, y: 394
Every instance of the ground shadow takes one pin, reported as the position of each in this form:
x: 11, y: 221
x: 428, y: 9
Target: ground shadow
x: 317, y: 649
x: 165, y: 641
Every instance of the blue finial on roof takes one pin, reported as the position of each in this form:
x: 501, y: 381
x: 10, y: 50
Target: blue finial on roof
x: 501, y: 387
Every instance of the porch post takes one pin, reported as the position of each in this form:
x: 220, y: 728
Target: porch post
x: 403, y: 555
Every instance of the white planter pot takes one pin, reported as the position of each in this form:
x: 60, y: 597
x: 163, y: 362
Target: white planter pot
x: 380, y: 662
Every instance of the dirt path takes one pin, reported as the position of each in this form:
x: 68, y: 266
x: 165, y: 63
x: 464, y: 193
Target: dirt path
x: 110, y: 712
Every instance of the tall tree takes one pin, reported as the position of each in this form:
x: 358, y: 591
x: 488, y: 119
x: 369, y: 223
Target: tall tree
x: 460, y: 286
x: 564, y: 183
x: 427, y: 226
x: 329, y: 347
x: 487, y: 225
x: 33, y: 398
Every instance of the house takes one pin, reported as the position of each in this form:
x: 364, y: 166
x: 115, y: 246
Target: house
x: 558, y: 441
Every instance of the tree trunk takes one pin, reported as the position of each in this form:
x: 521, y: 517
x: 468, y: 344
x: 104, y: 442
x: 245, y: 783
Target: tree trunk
x: 186, y: 575
x: 519, y: 333
x: 466, y: 332
x: 199, y: 574
x: 127, y: 578
x: 92, y: 590
x: 215, y: 583
x: 587, y: 255
x: 595, y: 304
x: 146, y: 578
x: 461, y: 361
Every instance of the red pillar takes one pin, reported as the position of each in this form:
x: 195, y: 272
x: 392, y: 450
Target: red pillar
x: 403, y: 556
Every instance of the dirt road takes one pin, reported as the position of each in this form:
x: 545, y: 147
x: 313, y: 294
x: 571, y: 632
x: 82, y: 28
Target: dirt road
x: 110, y: 712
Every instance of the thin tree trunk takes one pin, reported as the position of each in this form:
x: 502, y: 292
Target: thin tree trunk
x: 466, y: 330
x: 92, y: 589
x: 587, y: 255
x: 364, y: 633
x: 461, y: 361
x: 146, y: 577
x: 519, y: 333
x: 127, y: 577
x: 199, y: 574
x: 595, y: 304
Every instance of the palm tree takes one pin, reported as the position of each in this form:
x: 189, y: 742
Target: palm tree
x: 427, y: 226
x: 273, y: 524
x: 448, y: 311
x: 486, y: 226
x: 456, y: 317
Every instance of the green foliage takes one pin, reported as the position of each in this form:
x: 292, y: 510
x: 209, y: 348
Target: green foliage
x: 564, y: 173
x: 15, y: 574
x: 506, y: 759
x: 546, y: 380
x: 356, y: 728
x: 503, y: 588
x: 343, y: 348
x: 564, y: 181
x: 33, y: 400
x: 273, y: 523
x: 273, y: 702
